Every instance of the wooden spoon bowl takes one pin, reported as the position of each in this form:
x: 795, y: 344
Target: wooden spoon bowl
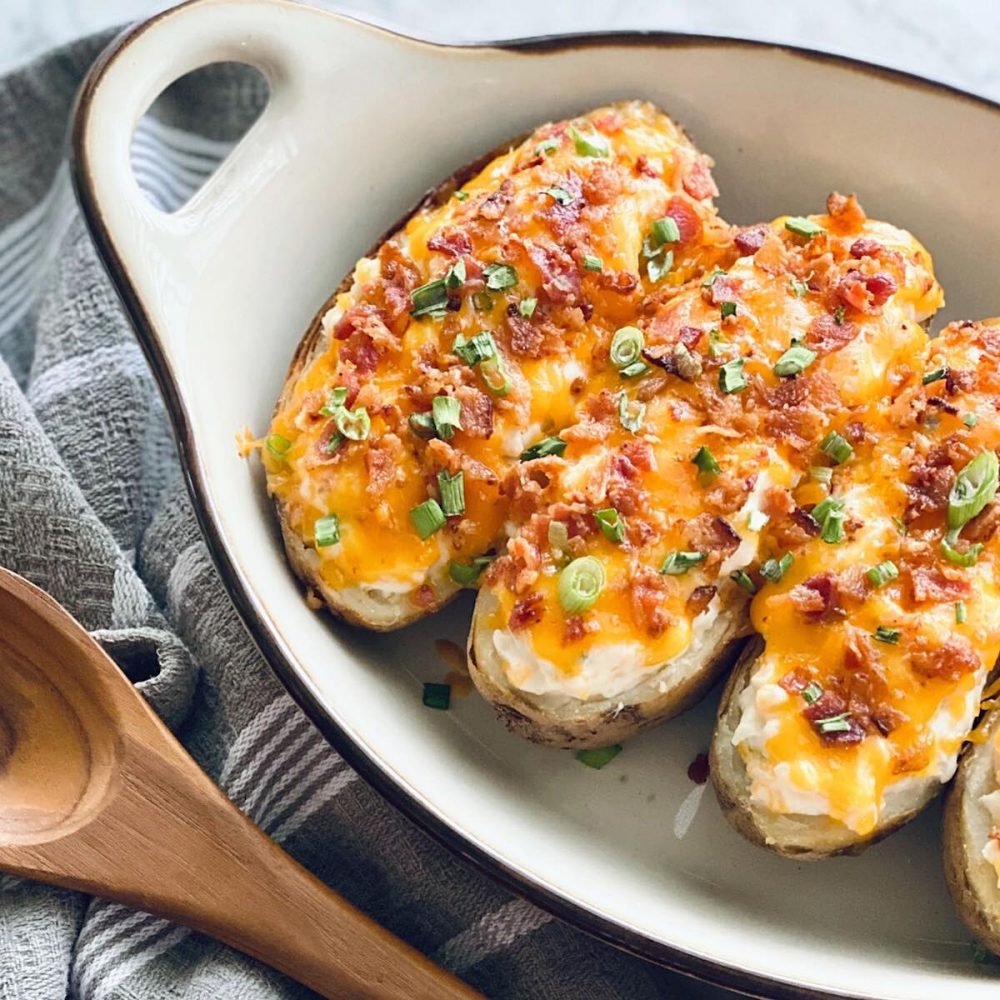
x: 97, y: 795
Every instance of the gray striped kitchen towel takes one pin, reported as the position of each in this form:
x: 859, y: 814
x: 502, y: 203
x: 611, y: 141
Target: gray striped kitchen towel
x: 93, y: 511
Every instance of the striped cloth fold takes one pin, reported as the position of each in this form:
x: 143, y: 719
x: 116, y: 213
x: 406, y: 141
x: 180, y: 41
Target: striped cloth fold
x: 93, y: 511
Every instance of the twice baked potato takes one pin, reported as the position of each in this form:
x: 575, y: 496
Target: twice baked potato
x: 464, y: 340
x: 623, y: 590
x: 847, y: 714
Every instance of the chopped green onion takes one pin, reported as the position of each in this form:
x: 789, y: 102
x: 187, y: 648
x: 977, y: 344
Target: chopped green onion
x: 626, y: 346
x: 960, y: 613
x: 709, y: 279
x: 665, y: 230
x: 597, y: 758
x: 824, y: 507
x: 580, y: 584
x: 967, y: 558
x: 475, y: 349
x: 731, y: 377
x: 591, y: 263
x: 495, y: 376
x: 821, y: 474
x: 705, y: 460
x: 880, y: 575
x: 794, y: 361
x: 678, y: 563
x: 803, y: 227
x: 756, y: 520
x: 586, y: 146
x: 547, y: 146
x: 975, y: 486
x: 812, y: 693
x: 935, y: 376
x: 660, y: 265
x: 775, y: 569
x: 327, y: 531
x: 447, y: 416
x: 635, y: 369
x: 355, y: 425
x: 482, y: 301
x: 799, y: 288
x: 526, y: 307
x: 541, y: 449
x: 889, y: 635
x: 900, y: 525
x: 452, y: 493
x: 437, y: 696
x: 461, y: 195
x: 631, y: 419
x: 499, y: 276
x: 611, y: 523
x: 278, y: 445
x: 338, y: 397
x: 335, y: 441
x: 836, y: 447
x: 838, y: 315
x: 743, y: 579
x: 832, y: 530
x: 465, y: 575
x: 834, y: 723
x: 727, y: 309
x: 970, y: 420
x: 422, y: 424
x: 560, y: 195
x: 717, y: 344
x: 455, y: 277
x: 429, y: 299
x: 427, y: 517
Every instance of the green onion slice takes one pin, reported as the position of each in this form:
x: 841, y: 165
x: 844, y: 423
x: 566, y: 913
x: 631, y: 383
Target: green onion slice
x: 482, y: 301
x: 541, y: 449
x: 560, y: 195
x: 731, y: 378
x: 678, y: 563
x: 466, y: 574
x: 499, y: 276
x: 659, y: 266
x: 597, y: 758
x: 803, y: 227
x: 526, y: 307
x: 495, y: 376
x: 611, y: 524
x: 592, y: 263
x: 427, y: 517
x: 476, y: 349
x: 821, y: 474
x: 880, y: 575
x: 455, y: 277
x: 834, y: 723
x: 709, y: 279
x: 422, y: 424
x: 278, y: 445
x: 717, y: 344
x: 580, y: 584
x: 967, y: 558
x: 355, y: 425
x: 775, y: 569
x: 429, y: 299
x: 705, y: 460
x: 936, y: 375
x: 975, y: 486
x: 727, y: 309
x: 630, y: 418
x: 838, y: 315
x: 547, y: 146
x: 794, y: 361
x: 960, y: 613
x: 446, y: 413
x: 437, y: 696
x: 836, y: 447
x: 327, y: 531
x: 665, y: 230
x: 626, y: 346
x: 970, y: 420
x: 889, y: 635
x: 799, y: 288
x: 634, y: 370
x: 461, y: 195
x: 812, y: 693
x: 744, y: 580
x: 587, y: 145
x: 452, y: 493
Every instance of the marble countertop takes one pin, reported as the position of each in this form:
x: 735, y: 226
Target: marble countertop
x: 944, y: 41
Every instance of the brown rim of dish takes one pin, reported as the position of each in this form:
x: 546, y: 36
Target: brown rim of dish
x: 240, y: 590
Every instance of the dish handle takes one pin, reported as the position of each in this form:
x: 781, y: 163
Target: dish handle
x: 172, y: 248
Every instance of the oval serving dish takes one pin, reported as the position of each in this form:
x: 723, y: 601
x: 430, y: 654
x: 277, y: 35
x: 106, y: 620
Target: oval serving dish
x: 221, y: 291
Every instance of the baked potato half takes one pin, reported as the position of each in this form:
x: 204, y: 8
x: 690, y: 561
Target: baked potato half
x: 463, y: 340
x: 636, y: 541
x: 847, y: 713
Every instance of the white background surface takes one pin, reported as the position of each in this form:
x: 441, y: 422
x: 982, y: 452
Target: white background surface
x: 954, y: 42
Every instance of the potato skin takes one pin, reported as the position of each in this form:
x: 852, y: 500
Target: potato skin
x: 804, y: 838
x: 583, y: 725
x: 971, y: 880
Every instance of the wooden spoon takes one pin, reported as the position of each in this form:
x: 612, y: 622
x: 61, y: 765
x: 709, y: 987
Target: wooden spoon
x: 97, y: 795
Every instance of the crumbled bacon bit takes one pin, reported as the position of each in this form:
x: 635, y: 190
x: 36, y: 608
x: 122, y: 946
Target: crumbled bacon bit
x: 830, y: 704
x: 698, y: 769
x: 603, y: 185
x: 609, y: 122
x: 528, y: 611
x: 381, y: 461
x: 846, y: 211
x: 687, y: 219
x: 854, y: 431
x: 984, y: 525
x: 699, y: 599
x: 796, y: 681
x: 477, y: 411
x: 452, y: 242
x: 817, y: 598
x: 936, y: 583
x: 496, y: 204
x: 865, y: 247
x: 724, y: 289
x: 910, y: 759
x: 625, y: 491
x: 424, y: 597
x: 825, y: 335
x: 649, y: 592
x: 750, y: 240
x: 559, y: 273
x: 643, y: 166
x: 526, y: 339
x: 639, y: 453
x: 866, y: 293
x: 576, y: 628
x: 622, y: 282
x: 689, y: 336
x: 698, y: 181
x: 399, y: 276
x: 949, y: 660
x: 714, y: 536
x: 959, y: 380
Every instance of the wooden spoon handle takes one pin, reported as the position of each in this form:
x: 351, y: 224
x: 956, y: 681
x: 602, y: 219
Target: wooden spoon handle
x: 154, y: 832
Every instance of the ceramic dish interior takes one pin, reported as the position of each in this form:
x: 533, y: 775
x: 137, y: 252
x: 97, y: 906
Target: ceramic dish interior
x: 222, y: 290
